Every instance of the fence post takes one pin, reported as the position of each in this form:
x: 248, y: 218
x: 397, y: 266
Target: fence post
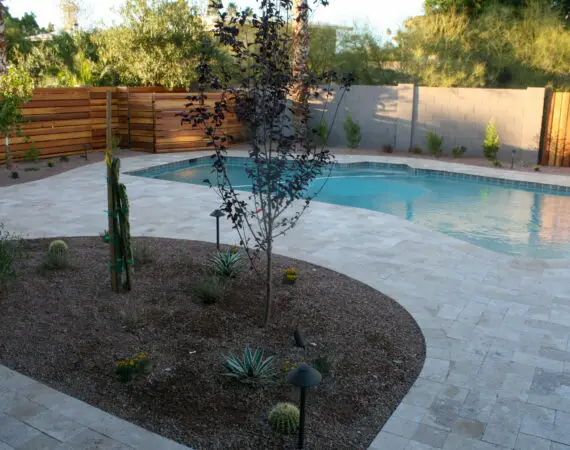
x: 153, y: 122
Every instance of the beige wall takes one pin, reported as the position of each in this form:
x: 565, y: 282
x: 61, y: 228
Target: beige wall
x: 402, y: 115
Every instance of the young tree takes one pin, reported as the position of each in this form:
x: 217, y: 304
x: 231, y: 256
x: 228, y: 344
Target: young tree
x: 282, y: 164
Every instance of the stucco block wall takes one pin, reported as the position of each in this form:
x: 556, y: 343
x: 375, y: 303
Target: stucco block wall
x: 402, y: 115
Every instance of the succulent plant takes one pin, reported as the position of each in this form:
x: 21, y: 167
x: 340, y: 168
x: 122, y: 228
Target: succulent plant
x: 58, y: 254
x: 226, y: 264
x: 284, y: 418
x: 252, y: 367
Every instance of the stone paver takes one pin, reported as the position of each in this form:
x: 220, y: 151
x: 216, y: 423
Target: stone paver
x: 497, y: 328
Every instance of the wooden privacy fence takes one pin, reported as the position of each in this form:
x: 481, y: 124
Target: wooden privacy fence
x: 555, y: 145
x: 67, y: 121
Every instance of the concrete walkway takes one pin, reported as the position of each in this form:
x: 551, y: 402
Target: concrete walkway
x: 497, y: 328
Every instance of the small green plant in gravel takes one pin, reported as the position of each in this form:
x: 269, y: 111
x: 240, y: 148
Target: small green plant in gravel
x: 252, y: 366
x: 64, y: 158
x: 289, y: 365
x: 537, y: 168
x: 57, y: 255
x: 142, y: 253
x: 33, y: 154
x: 491, y: 144
x: 323, y: 364
x: 321, y: 132
x: 211, y: 289
x: 434, y: 143
x: 352, y: 130
x: 284, y: 418
x: 128, y: 369
x: 10, y: 246
x: 51, y: 163
x: 226, y: 264
x: 458, y: 151
x: 417, y: 151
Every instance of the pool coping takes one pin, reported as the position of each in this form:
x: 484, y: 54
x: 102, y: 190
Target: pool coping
x: 454, y: 170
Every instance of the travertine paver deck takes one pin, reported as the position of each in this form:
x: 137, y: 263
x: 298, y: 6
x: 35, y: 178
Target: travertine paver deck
x: 35, y: 417
x: 497, y: 328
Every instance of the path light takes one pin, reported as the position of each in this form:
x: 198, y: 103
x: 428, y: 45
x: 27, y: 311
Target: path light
x: 303, y: 376
x: 513, y: 158
x: 217, y: 214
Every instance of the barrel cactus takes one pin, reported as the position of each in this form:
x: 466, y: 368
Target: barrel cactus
x: 58, y: 254
x: 284, y: 418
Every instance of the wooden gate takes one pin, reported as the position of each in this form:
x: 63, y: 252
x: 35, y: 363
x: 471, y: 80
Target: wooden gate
x: 555, y: 145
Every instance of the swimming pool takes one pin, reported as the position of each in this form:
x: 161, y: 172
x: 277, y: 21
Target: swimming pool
x: 499, y: 215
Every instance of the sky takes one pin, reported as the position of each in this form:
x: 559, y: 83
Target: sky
x: 377, y: 14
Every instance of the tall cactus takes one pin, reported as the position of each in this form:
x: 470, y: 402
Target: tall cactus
x: 119, y: 235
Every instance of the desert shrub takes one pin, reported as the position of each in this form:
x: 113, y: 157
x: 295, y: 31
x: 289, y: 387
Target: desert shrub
x: 284, y: 418
x: 491, y: 144
x: 251, y: 367
x: 388, y: 148
x: 33, y: 154
x: 537, y: 168
x: 133, y: 313
x: 352, y: 130
x: 64, y: 158
x: 57, y: 255
x: 51, y: 163
x: 211, y: 289
x: 321, y: 132
x: 417, y: 150
x: 289, y: 365
x: 10, y: 246
x: 129, y: 368
x: 458, y: 151
x: 226, y: 264
x: 322, y: 364
x: 142, y: 253
x: 434, y: 143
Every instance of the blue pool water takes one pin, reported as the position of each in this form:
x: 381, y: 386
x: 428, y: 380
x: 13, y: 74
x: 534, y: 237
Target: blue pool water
x: 508, y: 219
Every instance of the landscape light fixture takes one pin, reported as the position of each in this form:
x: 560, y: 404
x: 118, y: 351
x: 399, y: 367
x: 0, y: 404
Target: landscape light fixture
x: 217, y: 214
x: 303, y: 376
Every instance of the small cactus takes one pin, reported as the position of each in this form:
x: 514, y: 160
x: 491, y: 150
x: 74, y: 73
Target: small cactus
x: 284, y: 418
x: 58, y: 254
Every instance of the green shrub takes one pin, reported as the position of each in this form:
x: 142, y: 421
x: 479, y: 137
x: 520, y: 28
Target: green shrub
x: 352, y: 130
x: 141, y: 252
x: 434, y: 143
x: 252, y: 367
x: 458, y: 151
x: 284, y: 418
x: 63, y: 158
x: 322, y: 364
x: 226, y: 264
x: 58, y: 255
x: 33, y: 154
x: 417, y: 150
x: 51, y: 163
x: 388, y: 148
x: 9, y: 248
x: 491, y: 145
x: 321, y: 132
x: 129, y: 368
x: 211, y: 289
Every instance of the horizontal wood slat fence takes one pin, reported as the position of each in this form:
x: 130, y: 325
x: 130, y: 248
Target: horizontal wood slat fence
x: 555, y: 145
x: 67, y: 121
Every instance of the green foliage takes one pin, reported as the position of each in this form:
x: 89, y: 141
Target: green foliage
x: 491, y: 144
x: 456, y: 152
x: 352, y: 131
x: 57, y: 255
x: 10, y: 246
x: 51, y: 163
x: 142, y: 253
x: 33, y: 154
x: 64, y: 158
x: 322, y: 132
x: 434, y: 143
x: 323, y: 364
x: 211, y: 289
x: 284, y: 418
x: 497, y: 163
x: 417, y: 150
x: 16, y: 89
x: 157, y: 43
x: 499, y: 46
x: 289, y: 365
x: 128, y: 369
x: 226, y: 264
x: 251, y: 367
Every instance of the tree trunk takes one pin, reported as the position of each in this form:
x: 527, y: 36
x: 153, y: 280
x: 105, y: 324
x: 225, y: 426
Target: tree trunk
x: 300, y: 67
x: 269, y: 282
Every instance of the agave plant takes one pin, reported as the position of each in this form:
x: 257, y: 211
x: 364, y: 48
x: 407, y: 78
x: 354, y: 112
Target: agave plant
x: 252, y: 367
x: 226, y: 264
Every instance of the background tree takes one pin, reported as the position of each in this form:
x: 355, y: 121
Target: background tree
x: 282, y: 165
x: 157, y: 43
x: 3, y: 46
x: 70, y: 10
x: 300, y: 66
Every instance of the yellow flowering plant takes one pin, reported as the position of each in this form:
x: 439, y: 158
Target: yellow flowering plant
x: 129, y: 368
x: 290, y: 276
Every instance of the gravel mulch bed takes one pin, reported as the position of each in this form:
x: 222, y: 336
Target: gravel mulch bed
x: 67, y: 329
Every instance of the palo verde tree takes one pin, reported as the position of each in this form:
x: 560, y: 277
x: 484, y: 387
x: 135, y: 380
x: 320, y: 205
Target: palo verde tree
x: 283, y: 162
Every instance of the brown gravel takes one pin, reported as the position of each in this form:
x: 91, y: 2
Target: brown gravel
x: 67, y: 329
x: 37, y: 170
